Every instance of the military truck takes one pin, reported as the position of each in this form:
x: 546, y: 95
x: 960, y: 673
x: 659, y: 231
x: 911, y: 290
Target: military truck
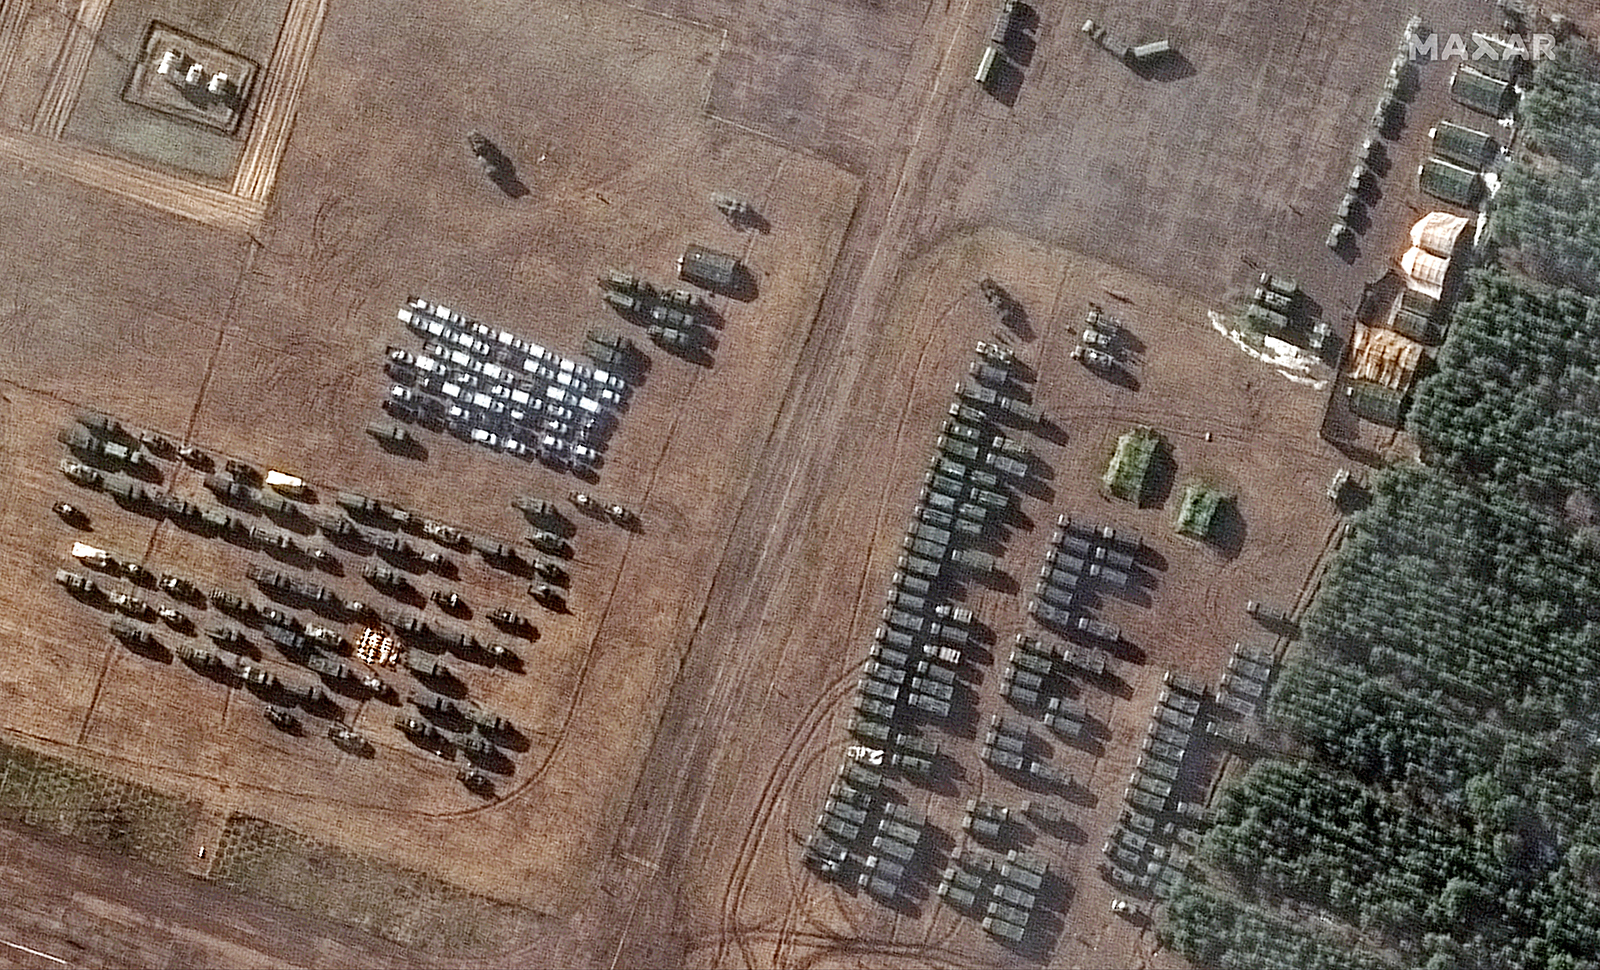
x: 920, y: 566
x: 125, y: 491
x: 968, y: 414
x: 231, y: 490
x: 80, y: 474
x: 957, y: 448
x: 965, y: 431
x: 914, y: 585
x: 983, y: 373
x: 974, y: 560
x: 977, y: 395
x: 387, y: 580
x: 1020, y: 409
x: 995, y: 354
x: 1006, y: 465
x: 77, y: 584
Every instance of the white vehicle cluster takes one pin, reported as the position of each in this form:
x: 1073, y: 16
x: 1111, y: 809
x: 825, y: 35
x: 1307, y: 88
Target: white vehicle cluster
x: 491, y: 387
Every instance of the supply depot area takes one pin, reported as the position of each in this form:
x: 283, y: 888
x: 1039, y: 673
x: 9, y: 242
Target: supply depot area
x: 675, y: 483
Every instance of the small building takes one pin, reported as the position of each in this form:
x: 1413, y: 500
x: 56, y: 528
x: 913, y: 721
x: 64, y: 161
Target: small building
x: 709, y: 268
x: 1450, y: 182
x: 1462, y: 145
x: 1480, y: 92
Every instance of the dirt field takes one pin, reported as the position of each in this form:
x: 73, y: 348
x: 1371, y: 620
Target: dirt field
x: 686, y: 718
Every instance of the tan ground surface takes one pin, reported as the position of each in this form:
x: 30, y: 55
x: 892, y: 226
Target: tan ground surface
x: 686, y: 717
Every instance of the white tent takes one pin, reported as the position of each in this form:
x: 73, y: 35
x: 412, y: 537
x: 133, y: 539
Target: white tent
x: 1437, y: 233
x: 1424, y: 271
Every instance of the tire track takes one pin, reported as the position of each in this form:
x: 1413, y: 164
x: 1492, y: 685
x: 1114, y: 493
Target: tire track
x: 820, y: 712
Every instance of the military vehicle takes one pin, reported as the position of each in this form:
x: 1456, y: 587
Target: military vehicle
x: 70, y: 514
x: 474, y: 746
x: 419, y: 729
x: 959, y: 614
x: 868, y: 730
x: 874, y: 708
x: 548, y: 597
x: 1004, y: 929
x: 673, y: 339
x: 944, y: 484
x: 997, y: 377
x: 925, y: 547
x: 130, y: 604
x: 194, y: 457
x: 174, y: 618
x: 968, y: 414
x: 450, y: 602
x: 175, y: 507
x: 92, y: 447
x: 282, y: 719
x: 76, y: 584
x: 551, y: 571
x: 1054, y: 595
x: 914, y: 585
x: 974, y: 560
x: 219, y: 521
x: 1006, y: 465
x: 928, y: 703
x: 288, y: 640
x: 957, y: 448
x: 326, y: 637
x: 1094, y: 359
x: 227, y: 636
x: 1283, y: 285
x: 906, y: 601
x: 104, y: 426
x: 1020, y: 409
x: 932, y: 534
x: 977, y: 394
x: 1032, y: 662
x: 329, y: 669
x: 871, y: 687
x: 955, y: 470
x: 350, y: 740
x: 920, y: 566
x: 1266, y: 611
x: 359, y: 504
x: 394, y: 547
x: 270, y: 579
x: 242, y: 471
x: 933, y: 687
x: 995, y: 354
x: 512, y: 622
x: 80, y: 474
x: 549, y: 542
x: 1108, y: 575
x: 125, y: 491
x: 443, y: 534
x: 391, y: 436
x: 198, y: 659
x: 93, y: 556
x: 231, y: 490
x: 130, y: 634
x: 964, y: 431
x: 388, y: 580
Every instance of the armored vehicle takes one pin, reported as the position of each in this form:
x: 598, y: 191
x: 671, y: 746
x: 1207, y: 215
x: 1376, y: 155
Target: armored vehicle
x: 282, y: 719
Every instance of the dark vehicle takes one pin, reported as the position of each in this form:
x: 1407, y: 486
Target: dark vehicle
x: 283, y: 720
x: 450, y: 602
x: 71, y: 514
